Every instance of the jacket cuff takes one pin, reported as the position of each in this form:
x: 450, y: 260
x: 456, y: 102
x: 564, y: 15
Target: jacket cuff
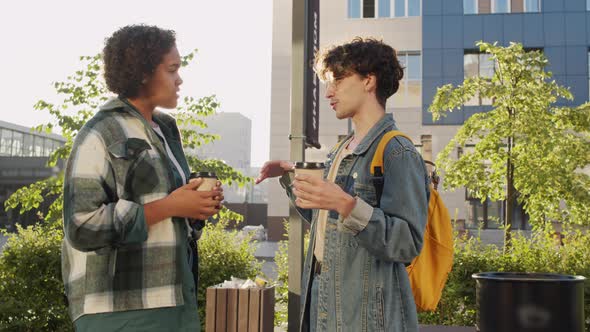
x: 358, y: 218
x: 132, y: 218
x: 286, y: 179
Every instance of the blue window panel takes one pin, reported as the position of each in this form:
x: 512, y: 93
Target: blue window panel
x: 456, y: 117
x: 431, y: 7
x: 576, y: 60
x: 432, y: 63
x: 452, y: 32
x: 575, y: 28
x: 413, y: 7
x: 454, y: 80
x: 588, y: 26
x: 579, y: 88
x: 493, y: 28
x: 453, y: 7
x: 429, y: 86
x: 513, y: 31
x: 470, y: 110
x: 500, y: 6
x: 561, y: 80
x: 556, y: 57
x: 354, y: 8
x: 555, y: 29
x: 400, y: 8
x: 575, y: 5
x: 474, y: 32
x: 384, y: 8
x: 453, y: 63
x: 533, y: 30
x: 552, y: 6
x: 432, y: 34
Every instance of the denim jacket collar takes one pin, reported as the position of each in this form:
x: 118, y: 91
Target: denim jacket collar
x: 384, y: 124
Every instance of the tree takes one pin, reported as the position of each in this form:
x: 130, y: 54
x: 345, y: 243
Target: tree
x: 82, y: 94
x: 525, y: 147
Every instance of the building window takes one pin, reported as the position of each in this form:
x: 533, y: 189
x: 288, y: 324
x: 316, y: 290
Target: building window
x: 588, y: 73
x: 5, y: 142
x: 383, y: 8
x: 532, y: 6
x: 490, y: 214
x: 501, y: 6
x: 368, y: 8
x: 478, y: 65
x: 354, y: 8
x: 470, y: 7
x: 409, y: 93
x: 17, y: 144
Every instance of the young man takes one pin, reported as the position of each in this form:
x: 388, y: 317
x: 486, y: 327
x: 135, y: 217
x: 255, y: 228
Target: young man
x: 354, y: 276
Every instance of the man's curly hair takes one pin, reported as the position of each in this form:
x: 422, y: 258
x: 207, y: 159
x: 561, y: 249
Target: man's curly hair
x: 131, y: 54
x: 363, y: 56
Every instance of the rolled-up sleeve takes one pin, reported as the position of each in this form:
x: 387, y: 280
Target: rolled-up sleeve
x: 94, y: 217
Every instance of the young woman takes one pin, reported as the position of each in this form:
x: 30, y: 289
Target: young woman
x: 126, y: 259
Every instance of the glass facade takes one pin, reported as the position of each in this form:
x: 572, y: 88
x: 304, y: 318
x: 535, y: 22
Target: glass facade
x: 14, y: 143
x: 383, y: 8
x: 501, y: 6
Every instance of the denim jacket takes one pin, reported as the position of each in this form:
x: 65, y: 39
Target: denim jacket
x: 363, y: 285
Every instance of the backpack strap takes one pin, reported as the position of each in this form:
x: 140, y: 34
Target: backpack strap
x: 377, y: 162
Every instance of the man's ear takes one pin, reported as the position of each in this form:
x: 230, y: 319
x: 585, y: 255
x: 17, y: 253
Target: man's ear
x: 370, y: 83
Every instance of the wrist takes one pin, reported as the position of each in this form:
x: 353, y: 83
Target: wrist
x: 347, y: 206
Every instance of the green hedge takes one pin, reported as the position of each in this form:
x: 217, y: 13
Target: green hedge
x: 31, y: 288
x: 540, y: 253
x: 223, y: 254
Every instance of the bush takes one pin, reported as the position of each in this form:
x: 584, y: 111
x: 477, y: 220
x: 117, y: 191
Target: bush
x: 223, y: 254
x: 31, y: 288
x: 540, y: 253
x: 282, y: 281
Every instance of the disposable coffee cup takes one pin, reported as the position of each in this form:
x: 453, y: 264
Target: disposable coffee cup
x: 310, y: 168
x: 209, y: 180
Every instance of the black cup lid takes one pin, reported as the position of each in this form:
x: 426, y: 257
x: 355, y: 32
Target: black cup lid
x: 309, y: 165
x: 195, y: 175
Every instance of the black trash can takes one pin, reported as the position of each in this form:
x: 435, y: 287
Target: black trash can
x: 529, y: 302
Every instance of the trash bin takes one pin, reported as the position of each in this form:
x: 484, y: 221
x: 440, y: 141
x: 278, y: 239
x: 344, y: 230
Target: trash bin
x: 529, y: 302
x: 240, y: 310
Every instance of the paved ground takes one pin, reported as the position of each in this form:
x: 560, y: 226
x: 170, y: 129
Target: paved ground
x: 266, y: 253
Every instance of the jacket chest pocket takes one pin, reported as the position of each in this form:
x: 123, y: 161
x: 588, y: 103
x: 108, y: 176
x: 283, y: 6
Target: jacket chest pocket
x: 133, y: 167
x: 366, y: 191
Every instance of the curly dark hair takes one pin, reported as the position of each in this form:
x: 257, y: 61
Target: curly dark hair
x: 131, y: 54
x: 363, y: 56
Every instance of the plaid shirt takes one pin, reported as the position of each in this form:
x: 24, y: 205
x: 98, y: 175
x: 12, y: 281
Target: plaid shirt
x: 111, y: 261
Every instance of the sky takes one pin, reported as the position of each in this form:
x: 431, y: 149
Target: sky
x: 42, y: 41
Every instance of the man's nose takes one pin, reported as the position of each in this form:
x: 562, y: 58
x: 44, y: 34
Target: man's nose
x: 329, y: 91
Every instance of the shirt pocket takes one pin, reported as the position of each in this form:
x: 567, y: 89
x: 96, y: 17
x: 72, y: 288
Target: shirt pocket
x: 133, y: 167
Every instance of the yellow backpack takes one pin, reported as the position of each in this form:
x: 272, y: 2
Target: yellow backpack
x: 429, y: 271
